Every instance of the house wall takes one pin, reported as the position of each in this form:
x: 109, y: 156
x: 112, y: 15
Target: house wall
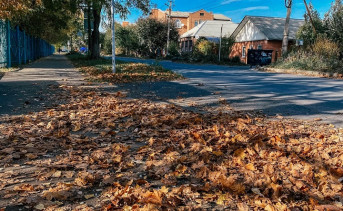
x: 237, y: 49
x: 250, y: 33
x: 195, y: 16
x: 183, y: 29
x: 187, y: 44
x: 157, y: 14
x: 188, y: 22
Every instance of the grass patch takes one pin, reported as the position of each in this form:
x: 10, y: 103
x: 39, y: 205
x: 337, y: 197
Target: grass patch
x: 100, y: 70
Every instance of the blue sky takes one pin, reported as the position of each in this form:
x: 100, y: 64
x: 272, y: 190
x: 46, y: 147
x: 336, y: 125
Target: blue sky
x: 237, y: 9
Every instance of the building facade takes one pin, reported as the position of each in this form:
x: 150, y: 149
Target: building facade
x: 262, y: 33
x: 185, y: 21
x: 211, y: 30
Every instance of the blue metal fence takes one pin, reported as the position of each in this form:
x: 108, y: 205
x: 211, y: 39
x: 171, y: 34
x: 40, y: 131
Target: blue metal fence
x: 17, y: 47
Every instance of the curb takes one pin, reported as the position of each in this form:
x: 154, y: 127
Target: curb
x: 302, y: 72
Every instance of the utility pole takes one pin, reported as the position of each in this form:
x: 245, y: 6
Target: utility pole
x: 169, y: 21
x: 309, y: 15
x: 220, y: 42
x: 288, y: 4
x: 113, y: 39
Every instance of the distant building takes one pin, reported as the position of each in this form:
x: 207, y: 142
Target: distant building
x: 211, y: 30
x: 185, y: 21
x: 262, y: 33
x: 125, y: 23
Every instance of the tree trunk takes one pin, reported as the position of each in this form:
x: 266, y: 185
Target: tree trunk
x: 286, y: 32
x: 95, y: 51
x: 89, y: 27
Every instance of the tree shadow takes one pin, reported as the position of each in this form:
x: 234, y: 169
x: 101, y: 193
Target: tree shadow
x: 23, y: 97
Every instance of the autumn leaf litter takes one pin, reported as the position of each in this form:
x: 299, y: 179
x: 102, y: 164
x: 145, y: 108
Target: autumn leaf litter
x: 105, y: 151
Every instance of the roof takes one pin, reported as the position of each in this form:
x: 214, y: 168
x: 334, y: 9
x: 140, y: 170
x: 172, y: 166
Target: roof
x: 211, y: 29
x: 272, y: 28
x: 179, y: 14
x: 221, y: 17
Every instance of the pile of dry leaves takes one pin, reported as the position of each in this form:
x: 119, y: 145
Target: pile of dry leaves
x: 101, y: 71
x: 103, y: 151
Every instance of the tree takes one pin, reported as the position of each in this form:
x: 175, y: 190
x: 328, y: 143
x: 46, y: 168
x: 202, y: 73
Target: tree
x: 153, y: 34
x: 306, y: 31
x: 120, y: 7
x: 333, y: 22
x: 14, y: 8
x: 127, y: 38
x: 288, y: 4
x: 227, y: 44
x: 53, y: 21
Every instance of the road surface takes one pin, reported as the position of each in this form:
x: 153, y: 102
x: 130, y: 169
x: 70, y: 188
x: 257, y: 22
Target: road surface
x: 294, y: 96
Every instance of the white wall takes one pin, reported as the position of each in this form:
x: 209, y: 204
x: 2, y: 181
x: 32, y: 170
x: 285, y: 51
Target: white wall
x: 250, y: 33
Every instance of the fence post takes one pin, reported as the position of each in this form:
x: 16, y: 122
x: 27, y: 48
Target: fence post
x: 24, y: 37
x: 8, y: 44
x: 18, y: 43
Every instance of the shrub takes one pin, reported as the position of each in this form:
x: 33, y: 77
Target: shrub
x: 173, y: 51
x: 206, y: 48
x: 322, y: 56
x: 326, y: 48
x: 236, y: 59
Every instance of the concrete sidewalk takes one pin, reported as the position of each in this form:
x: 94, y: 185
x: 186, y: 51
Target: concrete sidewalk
x: 33, y: 88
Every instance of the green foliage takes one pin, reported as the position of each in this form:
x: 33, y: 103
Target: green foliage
x: 204, y: 51
x: 321, y: 56
x: 333, y: 21
x: 174, y: 50
x: 51, y: 20
x: 306, y: 32
x: 322, y: 49
x: 205, y: 47
x: 227, y: 44
x: 153, y: 34
x: 127, y: 39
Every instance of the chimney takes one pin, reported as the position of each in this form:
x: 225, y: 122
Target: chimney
x: 125, y: 23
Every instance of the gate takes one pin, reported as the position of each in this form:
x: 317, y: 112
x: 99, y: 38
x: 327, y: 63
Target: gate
x: 259, y: 57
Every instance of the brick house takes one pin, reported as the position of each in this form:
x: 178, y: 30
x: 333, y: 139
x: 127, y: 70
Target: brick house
x: 211, y: 30
x: 262, y: 33
x: 185, y: 21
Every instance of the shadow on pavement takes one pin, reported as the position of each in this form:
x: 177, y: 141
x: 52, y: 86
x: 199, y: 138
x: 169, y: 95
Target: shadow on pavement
x: 23, y: 97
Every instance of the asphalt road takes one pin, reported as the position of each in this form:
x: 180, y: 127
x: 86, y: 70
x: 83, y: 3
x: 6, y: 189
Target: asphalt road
x: 294, y: 96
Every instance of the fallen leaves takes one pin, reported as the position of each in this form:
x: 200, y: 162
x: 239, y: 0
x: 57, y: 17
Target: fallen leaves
x: 134, y: 154
x: 101, y: 70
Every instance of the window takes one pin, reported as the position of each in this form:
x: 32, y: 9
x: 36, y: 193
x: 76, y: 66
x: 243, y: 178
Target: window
x: 178, y: 24
x: 259, y: 47
x: 202, y: 14
x: 195, y: 23
x: 200, y: 21
x: 244, y: 51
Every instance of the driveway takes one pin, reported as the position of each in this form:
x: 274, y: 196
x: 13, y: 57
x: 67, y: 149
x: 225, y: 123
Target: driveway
x: 287, y: 95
